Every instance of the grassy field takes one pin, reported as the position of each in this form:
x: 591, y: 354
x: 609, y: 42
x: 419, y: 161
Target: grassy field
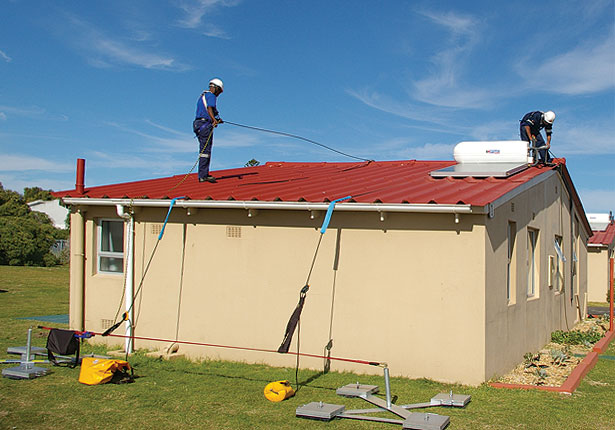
x: 220, y: 395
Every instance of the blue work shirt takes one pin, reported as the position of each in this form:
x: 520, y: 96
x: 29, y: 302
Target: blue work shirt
x: 207, y: 99
x: 534, y: 121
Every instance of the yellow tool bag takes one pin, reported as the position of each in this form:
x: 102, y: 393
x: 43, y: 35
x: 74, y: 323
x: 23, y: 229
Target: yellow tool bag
x: 96, y: 371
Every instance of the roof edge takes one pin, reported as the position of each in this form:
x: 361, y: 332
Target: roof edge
x: 252, y: 204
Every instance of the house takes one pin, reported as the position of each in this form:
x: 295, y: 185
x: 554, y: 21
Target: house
x: 448, y: 276
x: 601, y: 249
x: 52, y: 208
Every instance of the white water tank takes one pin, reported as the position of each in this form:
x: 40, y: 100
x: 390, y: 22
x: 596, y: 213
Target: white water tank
x: 599, y: 222
x: 496, y: 151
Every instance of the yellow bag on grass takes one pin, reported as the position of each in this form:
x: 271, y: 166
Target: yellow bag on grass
x: 96, y: 371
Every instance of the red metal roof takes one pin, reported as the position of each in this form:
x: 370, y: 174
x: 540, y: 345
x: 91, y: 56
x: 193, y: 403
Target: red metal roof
x: 604, y: 237
x: 374, y: 182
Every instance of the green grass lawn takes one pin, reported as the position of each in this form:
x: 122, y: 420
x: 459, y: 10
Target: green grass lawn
x: 179, y: 394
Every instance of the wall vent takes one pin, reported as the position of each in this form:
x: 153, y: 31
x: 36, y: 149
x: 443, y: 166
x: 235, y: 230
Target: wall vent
x: 156, y: 228
x: 105, y: 324
x: 233, y: 232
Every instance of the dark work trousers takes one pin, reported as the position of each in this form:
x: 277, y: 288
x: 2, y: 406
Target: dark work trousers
x: 543, y: 154
x: 203, y: 129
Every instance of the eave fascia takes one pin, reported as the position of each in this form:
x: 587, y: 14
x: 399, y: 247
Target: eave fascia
x: 264, y: 205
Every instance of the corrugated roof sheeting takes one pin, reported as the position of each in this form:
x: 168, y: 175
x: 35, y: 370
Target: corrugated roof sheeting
x: 374, y: 182
x: 605, y: 237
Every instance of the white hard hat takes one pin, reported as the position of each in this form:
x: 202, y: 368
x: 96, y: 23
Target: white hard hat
x: 548, y: 117
x: 217, y: 82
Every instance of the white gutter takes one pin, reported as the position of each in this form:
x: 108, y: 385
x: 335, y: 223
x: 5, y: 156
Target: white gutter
x: 254, y: 204
x: 129, y: 294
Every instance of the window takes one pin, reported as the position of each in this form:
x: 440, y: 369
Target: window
x: 111, y: 246
x: 532, y: 266
x: 512, y: 263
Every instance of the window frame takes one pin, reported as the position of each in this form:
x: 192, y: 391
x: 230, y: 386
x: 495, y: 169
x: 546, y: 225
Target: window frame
x: 533, y: 272
x: 511, y: 264
x: 102, y: 254
x: 560, y: 283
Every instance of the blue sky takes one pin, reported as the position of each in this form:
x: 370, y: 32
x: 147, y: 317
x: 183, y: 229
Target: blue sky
x: 116, y: 83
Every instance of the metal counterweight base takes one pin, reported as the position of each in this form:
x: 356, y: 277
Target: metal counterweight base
x: 410, y: 420
x: 450, y: 399
x: 320, y: 411
x: 24, y: 371
x: 420, y: 421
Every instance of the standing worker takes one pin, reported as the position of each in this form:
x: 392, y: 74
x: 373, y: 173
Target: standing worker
x: 529, y: 129
x: 207, y: 118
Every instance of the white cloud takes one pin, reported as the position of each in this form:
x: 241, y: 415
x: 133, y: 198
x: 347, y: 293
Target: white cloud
x: 33, y: 111
x: 139, y: 161
x: 597, y: 200
x: 586, y: 69
x: 21, y: 181
x: 102, y: 50
x: 404, y: 148
x: 585, y: 140
x: 5, y: 57
x: 2, y: 116
x: 196, y: 10
x: 496, y: 130
x: 19, y: 163
x: 438, y: 119
x: 443, y: 86
x: 182, y: 142
x: 432, y: 151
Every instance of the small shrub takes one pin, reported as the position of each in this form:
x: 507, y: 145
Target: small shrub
x: 541, y: 376
x: 530, y: 359
x: 559, y: 357
x: 575, y: 337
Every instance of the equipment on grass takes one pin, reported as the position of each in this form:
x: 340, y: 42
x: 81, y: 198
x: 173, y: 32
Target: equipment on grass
x: 95, y: 371
x: 411, y: 420
x: 26, y: 368
x: 278, y: 391
x: 62, y: 342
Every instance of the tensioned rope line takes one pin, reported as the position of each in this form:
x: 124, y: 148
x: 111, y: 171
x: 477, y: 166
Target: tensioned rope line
x: 294, y: 136
x: 214, y: 345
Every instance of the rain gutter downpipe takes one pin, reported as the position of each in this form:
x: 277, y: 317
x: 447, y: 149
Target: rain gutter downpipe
x: 130, y: 226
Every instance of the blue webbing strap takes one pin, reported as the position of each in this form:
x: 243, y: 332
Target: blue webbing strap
x: 168, y: 214
x: 325, y: 223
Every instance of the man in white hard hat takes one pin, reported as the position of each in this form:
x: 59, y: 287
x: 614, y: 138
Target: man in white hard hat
x: 207, y: 118
x: 529, y: 129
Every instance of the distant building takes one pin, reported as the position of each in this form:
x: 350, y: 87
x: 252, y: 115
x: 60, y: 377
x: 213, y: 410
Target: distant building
x: 601, y: 248
x: 452, y: 277
x: 56, y: 212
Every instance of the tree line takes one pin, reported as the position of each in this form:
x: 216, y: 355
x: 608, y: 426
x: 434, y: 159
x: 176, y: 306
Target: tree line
x: 26, y: 236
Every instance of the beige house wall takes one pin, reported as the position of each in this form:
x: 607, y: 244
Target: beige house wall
x: 598, y: 277
x: 421, y: 292
x: 524, y: 324
x: 409, y: 290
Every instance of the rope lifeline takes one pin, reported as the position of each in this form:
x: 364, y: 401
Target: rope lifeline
x: 213, y: 345
x: 294, y: 136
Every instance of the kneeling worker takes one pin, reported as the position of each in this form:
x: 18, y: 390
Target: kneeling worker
x: 529, y: 129
x: 207, y: 118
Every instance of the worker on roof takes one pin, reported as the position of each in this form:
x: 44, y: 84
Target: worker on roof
x: 207, y: 118
x: 529, y: 129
